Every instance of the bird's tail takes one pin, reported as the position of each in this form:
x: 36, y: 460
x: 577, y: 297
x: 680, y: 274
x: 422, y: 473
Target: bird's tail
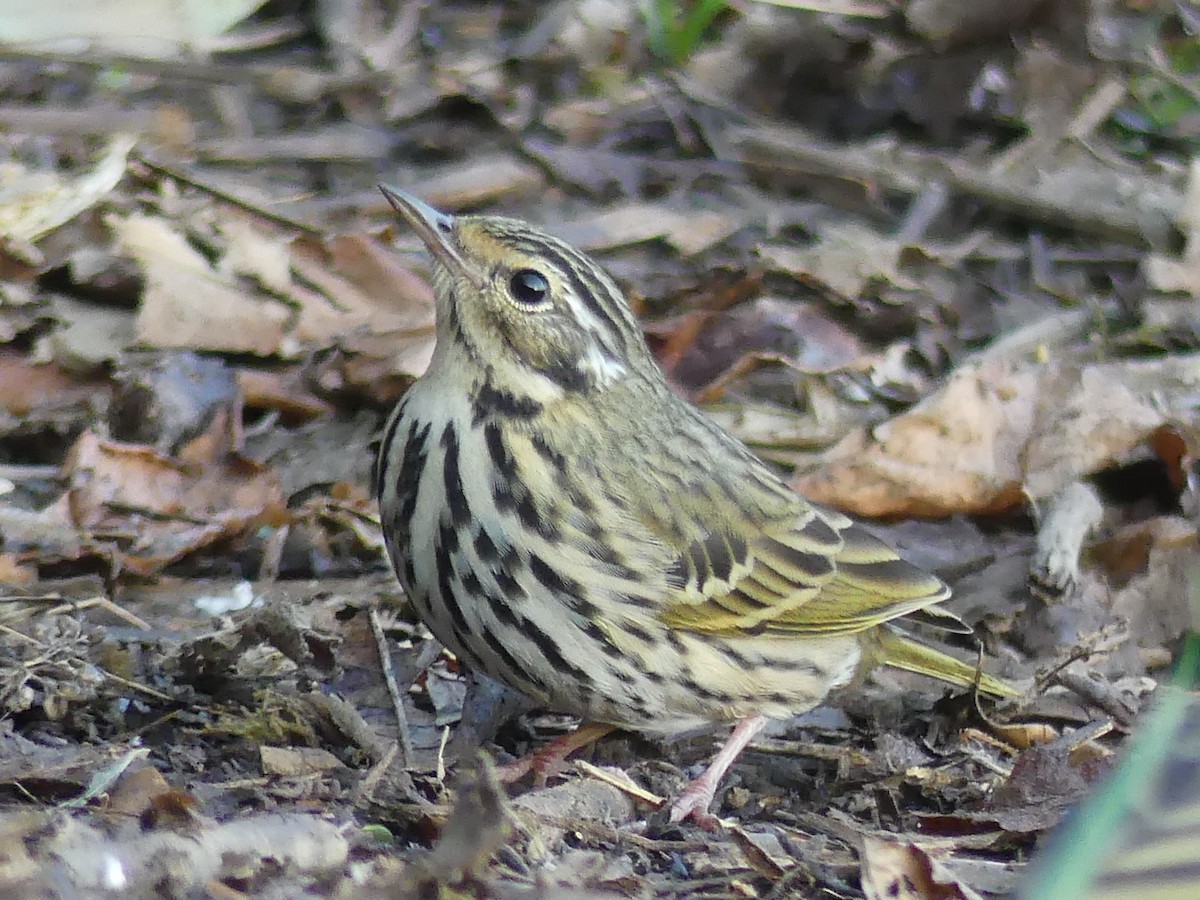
x: 901, y: 652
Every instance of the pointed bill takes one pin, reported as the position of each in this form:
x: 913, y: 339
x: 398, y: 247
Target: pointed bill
x: 433, y: 227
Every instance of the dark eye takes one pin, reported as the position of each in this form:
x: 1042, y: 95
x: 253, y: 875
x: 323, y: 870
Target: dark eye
x: 529, y: 287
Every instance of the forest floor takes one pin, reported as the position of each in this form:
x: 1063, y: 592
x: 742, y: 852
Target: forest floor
x: 937, y: 262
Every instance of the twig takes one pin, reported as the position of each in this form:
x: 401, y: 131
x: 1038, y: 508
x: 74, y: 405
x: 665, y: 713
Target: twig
x: 366, y: 788
x: 225, y: 196
x: 904, y: 170
x: 29, y: 473
x: 1100, y: 695
x: 148, y: 691
x: 103, y: 603
x: 624, y: 785
x: 389, y: 678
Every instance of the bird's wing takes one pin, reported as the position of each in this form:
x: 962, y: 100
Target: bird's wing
x: 816, y: 574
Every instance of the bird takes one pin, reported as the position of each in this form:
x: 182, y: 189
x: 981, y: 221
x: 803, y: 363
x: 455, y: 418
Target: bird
x: 566, y: 524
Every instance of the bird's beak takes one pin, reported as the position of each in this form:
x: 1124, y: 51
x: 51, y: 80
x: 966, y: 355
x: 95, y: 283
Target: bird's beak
x: 434, y: 228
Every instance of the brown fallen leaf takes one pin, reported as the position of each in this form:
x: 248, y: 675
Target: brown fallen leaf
x: 296, y: 762
x: 27, y: 387
x: 158, y: 510
x: 892, y: 870
x: 1000, y: 431
x: 359, y: 297
x: 189, y: 303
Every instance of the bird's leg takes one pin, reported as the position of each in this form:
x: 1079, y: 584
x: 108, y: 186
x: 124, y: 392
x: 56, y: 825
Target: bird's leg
x: 550, y: 758
x: 693, y: 803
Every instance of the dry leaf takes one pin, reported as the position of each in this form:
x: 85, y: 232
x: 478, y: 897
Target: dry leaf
x: 296, y: 762
x: 1000, y: 431
x: 896, y: 871
x: 188, y: 303
x: 845, y: 259
x: 159, y: 510
x: 32, y: 204
x: 154, y: 28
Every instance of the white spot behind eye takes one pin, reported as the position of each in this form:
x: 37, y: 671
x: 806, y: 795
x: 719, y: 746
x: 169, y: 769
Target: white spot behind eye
x: 603, y: 367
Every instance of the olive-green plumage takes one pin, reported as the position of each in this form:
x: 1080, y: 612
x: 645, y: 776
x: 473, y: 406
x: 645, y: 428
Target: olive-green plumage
x: 566, y: 524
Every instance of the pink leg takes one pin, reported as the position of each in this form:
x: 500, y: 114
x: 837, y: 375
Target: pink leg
x: 694, y: 801
x: 550, y: 758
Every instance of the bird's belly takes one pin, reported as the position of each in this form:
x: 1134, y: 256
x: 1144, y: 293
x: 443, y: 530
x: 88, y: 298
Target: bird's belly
x: 694, y: 680
x: 529, y: 606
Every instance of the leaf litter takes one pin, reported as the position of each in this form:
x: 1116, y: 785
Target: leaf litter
x: 941, y: 276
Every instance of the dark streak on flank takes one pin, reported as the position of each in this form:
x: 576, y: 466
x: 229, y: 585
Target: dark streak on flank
x: 449, y: 600
x: 597, y: 635
x: 507, y: 495
x: 554, y: 655
x: 637, y: 631
x: 447, y: 537
x: 624, y: 676
x: 486, y: 548
x: 456, y: 500
x: 608, y: 555
x: 639, y: 706
x: 547, y: 526
x: 582, y: 607
x: 504, y: 612
x: 796, y: 665
x: 471, y: 584
x: 695, y: 687
x: 501, y: 458
x: 408, y: 484
x: 526, y: 510
x: 548, y: 453
x: 592, y: 529
x: 553, y: 580
x: 509, y: 586
x: 578, y: 499
x: 518, y: 673
x: 740, y: 659
x: 385, y: 445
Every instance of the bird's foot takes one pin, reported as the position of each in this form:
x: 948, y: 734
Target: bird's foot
x: 693, y: 803
x: 549, y: 760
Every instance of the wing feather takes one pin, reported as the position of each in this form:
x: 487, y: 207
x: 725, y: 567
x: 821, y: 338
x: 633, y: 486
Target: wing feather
x: 820, y: 574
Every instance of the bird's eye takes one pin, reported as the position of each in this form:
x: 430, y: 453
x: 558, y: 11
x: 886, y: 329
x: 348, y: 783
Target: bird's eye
x: 529, y: 287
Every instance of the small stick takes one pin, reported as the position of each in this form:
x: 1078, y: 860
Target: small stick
x: 389, y: 678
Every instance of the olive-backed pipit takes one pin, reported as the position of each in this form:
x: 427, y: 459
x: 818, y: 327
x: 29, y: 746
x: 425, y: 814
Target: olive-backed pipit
x: 566, y: 524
